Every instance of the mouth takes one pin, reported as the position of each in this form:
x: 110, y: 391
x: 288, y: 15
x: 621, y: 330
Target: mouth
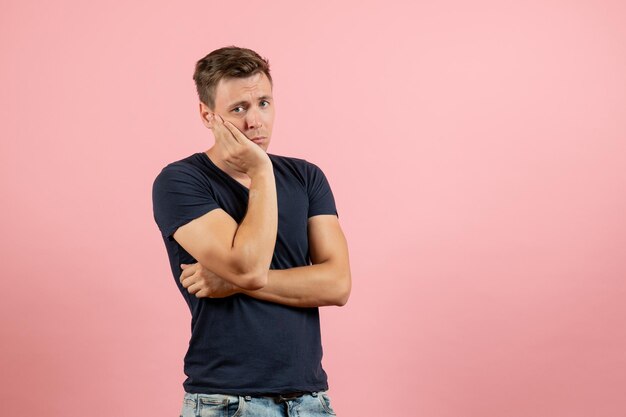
x: 258, y: 139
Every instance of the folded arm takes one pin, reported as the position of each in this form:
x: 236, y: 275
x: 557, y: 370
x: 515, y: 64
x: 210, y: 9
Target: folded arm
x: 326, y: 282
x: 240, y: 254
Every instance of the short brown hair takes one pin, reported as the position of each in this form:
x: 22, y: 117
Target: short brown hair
x: 230, y: 61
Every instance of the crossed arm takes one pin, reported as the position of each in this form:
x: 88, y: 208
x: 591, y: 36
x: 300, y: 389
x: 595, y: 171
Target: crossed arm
x: 326, y: 282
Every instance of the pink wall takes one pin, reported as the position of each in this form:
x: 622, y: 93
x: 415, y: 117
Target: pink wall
x: 476, y: 151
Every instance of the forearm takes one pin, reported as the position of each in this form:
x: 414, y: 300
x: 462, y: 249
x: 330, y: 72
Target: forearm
x: 316, y: 285
x: 255, y: 237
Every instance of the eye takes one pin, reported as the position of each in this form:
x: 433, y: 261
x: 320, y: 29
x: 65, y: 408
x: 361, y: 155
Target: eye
x: 265, y: 103
x: 236, y: 108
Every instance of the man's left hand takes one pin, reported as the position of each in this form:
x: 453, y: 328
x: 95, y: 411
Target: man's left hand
x: 203, y: 283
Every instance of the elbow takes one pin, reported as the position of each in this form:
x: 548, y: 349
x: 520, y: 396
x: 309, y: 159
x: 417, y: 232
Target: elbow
x: 343, y: 292
x: 251, y: 271
x: 256, y: 283
x: 248, y: 275
x: 340, y: 302
x: 342, y: 299
x: 245, y: 275
x: 253, y: 280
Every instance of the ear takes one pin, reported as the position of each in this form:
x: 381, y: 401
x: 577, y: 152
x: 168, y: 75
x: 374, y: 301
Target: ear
x: 206, y: 114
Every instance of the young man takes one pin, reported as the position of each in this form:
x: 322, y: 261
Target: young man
x: 255, y: 247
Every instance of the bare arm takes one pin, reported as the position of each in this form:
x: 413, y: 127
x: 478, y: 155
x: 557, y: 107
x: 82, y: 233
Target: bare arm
x: 326, y: 282
x: 240, y: 254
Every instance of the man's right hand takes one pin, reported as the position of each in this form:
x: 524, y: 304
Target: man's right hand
x: 240, y: 153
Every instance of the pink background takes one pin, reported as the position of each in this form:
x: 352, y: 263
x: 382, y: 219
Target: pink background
x: 476, y: 151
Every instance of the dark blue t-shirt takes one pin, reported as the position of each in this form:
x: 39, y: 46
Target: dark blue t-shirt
x: 241, y: 345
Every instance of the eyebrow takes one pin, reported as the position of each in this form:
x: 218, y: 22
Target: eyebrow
x: 239, y: 103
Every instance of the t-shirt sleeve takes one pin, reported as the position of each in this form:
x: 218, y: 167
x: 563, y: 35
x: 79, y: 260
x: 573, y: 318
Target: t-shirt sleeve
x: 321, y: 199
x: 179, y: 195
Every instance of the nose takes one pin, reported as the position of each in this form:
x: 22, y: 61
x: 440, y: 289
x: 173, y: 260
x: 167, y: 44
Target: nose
x: 253, y: 120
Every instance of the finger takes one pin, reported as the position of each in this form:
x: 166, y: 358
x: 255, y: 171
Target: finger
x: 186, y: 274
x: 188, y: 267
x: 188, y: 281
x: 221, y: 132
x: 192, y: 289
x: 203, y: 294
x: 237, y: 134
x: 234, y: 130
x: 218, y: 121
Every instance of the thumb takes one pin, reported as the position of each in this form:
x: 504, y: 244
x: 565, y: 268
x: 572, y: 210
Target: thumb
x: 183, y: 265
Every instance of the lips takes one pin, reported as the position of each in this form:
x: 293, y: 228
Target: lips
x: 258, y: 139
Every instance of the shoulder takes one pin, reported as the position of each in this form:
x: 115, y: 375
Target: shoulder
x: 304, y: 171
x: 287, y: 160
x: 302, y: 165
x: 189, y: 163
x: 185, y: 169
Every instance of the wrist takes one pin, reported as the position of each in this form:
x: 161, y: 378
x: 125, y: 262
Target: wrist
x: 265, y: 170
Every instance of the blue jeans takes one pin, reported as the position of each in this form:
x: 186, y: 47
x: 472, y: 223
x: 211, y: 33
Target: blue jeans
x: 316, y: 404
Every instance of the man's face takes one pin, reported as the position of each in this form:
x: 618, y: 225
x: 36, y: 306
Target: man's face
x: 248, y: 104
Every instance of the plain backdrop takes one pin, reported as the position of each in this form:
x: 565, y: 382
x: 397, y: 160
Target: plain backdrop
x: 477, y: 155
